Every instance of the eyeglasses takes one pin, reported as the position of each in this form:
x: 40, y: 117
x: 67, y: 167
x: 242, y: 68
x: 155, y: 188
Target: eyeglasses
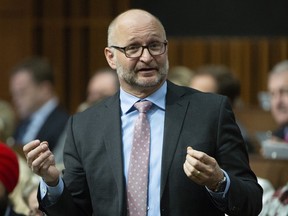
x: 135, y: 51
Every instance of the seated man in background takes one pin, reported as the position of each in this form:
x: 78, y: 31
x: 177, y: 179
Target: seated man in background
x: 217, y: 79
x: 9, y: 174
x: 102, y: 84
x: 36, y: 103
x: 278, y: 89
x: 276, y: 203
x: 220, y: 79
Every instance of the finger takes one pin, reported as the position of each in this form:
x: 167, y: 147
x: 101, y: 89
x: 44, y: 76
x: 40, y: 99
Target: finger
x: 44, y: 143
x: 190, y: 169
x: 35, y: 153
x: 30, y: 146
x: 193, y: 173
x: 196, y: 163
x: 40, y: 160
x: 194, y: 153
x: 187, y: 170
x: 48, y: 162
x: 201, y: 156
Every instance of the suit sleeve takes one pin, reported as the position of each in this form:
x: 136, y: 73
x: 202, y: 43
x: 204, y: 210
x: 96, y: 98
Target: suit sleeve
x: 245, y: 194
x: 75, y: 199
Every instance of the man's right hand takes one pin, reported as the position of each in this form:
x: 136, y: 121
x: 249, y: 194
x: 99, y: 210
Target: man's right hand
x: 41, y: 160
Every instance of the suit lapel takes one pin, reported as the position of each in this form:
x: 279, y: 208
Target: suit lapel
x: 174, y: 117
x: 113, y: 143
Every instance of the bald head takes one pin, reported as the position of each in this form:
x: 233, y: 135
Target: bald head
x: 142, y: 34
x: 132, y: 20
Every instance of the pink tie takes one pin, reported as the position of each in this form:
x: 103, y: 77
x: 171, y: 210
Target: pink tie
x: 137, y: 186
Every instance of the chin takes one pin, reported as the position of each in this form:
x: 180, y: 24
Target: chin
x: 150, y: 81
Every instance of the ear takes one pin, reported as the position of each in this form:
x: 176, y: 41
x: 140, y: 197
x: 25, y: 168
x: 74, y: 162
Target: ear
x: 110, y: 57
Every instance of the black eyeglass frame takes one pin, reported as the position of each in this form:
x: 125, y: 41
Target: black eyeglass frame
x: 123, y: 49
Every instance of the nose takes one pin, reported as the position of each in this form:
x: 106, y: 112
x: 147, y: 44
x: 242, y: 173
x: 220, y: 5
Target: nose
x: 146, y: 56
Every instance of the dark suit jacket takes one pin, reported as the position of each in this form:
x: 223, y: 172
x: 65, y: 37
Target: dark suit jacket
x: 280, y: 132
x: 94, y: 179
x: 52, y: 127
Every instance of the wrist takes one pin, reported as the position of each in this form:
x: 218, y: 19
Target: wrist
x: 220, y: 185
x: 52, y: 182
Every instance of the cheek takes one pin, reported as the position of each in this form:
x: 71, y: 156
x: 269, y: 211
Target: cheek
x: 28, y: 99
x: 285, y: 99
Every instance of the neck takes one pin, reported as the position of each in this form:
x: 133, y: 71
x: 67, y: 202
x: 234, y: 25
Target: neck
x: 141, y: 92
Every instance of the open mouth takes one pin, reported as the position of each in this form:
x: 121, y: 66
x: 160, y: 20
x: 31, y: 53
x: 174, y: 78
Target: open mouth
x: 146, y: 70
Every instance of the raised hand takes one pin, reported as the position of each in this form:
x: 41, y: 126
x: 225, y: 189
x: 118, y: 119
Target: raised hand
x: 202, y: 169
x: 41, y: 160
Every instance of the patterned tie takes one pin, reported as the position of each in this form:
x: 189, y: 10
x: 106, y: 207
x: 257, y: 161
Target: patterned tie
x: 137, y: 186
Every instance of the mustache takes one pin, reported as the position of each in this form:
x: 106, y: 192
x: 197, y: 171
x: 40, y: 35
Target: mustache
x: 282, y: 108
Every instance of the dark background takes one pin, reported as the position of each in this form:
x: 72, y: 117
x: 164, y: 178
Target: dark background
x: 220, y: 17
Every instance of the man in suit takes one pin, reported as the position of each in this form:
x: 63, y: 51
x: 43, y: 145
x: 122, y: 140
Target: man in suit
x: 103, y: 83
x: 32, y: 89
x: 278, y: 89
x: 198, y: 162
x: 220, y: 79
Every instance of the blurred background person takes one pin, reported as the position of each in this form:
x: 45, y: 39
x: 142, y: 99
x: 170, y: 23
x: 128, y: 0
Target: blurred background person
x: 36, y: 104
x: 9, y: 174
x: 278, y: 89
x: 7, y: 122
x: 277, y: 202
x: 103, y: 83
x: 180, y: 75
x: 220, y: 79
x: 30, y: 198
x: 217, y: 79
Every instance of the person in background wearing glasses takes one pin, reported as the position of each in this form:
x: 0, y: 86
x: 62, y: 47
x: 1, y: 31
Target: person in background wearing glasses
x: 198, y: 163
x: 278, y: 90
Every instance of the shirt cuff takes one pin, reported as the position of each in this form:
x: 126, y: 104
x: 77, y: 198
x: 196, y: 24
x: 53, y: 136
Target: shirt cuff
x: 53, y: 193
x: 221, y: 195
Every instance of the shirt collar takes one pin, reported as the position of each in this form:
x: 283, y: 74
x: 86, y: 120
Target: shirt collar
x: 157, y: 98
x: 46, y: 109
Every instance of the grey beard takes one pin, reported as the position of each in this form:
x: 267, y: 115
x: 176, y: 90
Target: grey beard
x: 131, y: 79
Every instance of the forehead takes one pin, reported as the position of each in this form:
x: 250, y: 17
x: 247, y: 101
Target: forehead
x: 204, y: 82
x: 204, y: 78
x: 134, y: 27
x: 21, y: 77
x: 278, y: 80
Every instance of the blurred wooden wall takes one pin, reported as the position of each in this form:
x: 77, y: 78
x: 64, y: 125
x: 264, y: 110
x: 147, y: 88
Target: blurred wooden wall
x: 72, y: 34
x: 250, y: 58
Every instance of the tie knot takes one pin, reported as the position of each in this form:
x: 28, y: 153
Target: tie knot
x: 143, y: 106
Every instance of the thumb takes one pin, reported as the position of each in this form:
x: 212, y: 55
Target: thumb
x: 189, y: 148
